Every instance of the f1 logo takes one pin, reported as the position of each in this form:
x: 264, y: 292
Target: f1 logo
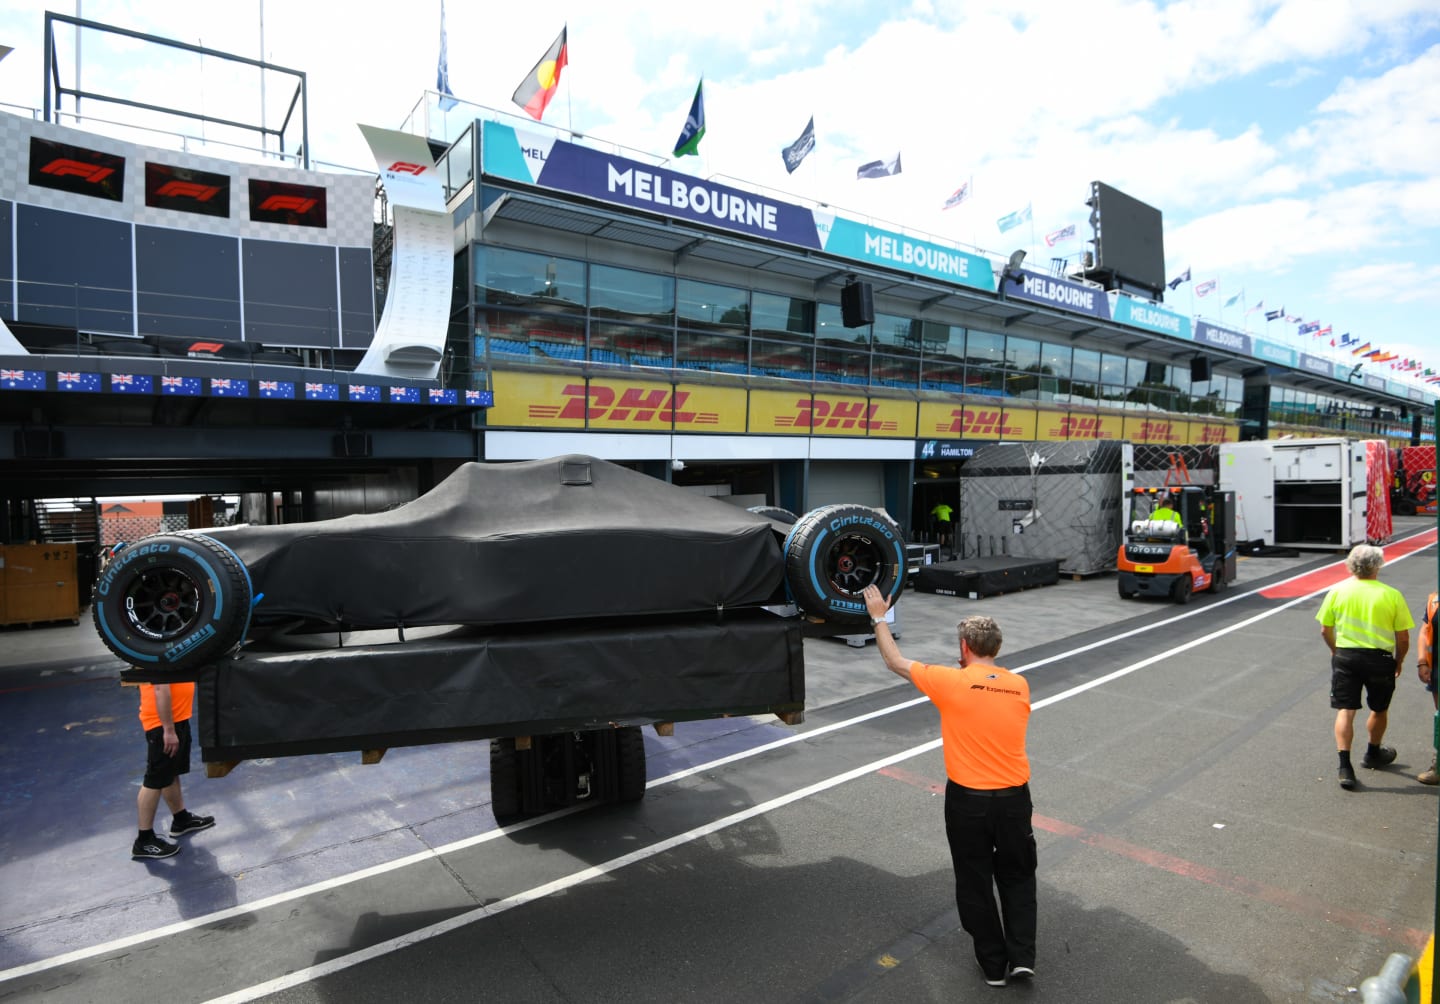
x: 188, y: 190
x: 62, y: 167
x: 287, y: 204
x: 405, y: 167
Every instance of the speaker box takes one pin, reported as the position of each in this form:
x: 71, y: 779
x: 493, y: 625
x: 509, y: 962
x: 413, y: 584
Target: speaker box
x: 1199, y: 369
x: 857, y: 304
x: 351, y: 444
x: 1155, y: 372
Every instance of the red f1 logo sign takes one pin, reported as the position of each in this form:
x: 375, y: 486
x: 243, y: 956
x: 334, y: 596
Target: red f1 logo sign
x: 405, y: 167
x: 64, y: 167
x: 188, y: 190
x: 287, y: 204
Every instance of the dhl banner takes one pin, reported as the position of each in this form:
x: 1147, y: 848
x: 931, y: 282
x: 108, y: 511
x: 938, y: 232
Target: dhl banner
x: 559, y: 401
x: 1152, y: 429
x: 1212, y: 432
x: 952, y: 420
x: 543, y: 401
x: 803, y: 413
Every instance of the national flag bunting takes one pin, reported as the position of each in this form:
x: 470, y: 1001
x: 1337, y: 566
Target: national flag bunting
x: 1323, y: 331
x: 22, y: 379
x: 1063, y: 234
x: 1235, y: 299
x: 1259, y: 305
x: 796, y: 151
x: 405, y: 395
x: 1205, y: 288
x: 132, y: 383
x: 958, y: 196
x: 364, y: 392
x: 77, y: 381
x: 1360, y: 349
x: 1181, y: 278
x: 878, y: 168
x: 442, y: 395
x: 442, y: 69
x: 229, y: 387
x: 183, y: 386
x: 536, y: 90
x: 694, y: 131
x: 283, y: 390
x: 322, y: 392
x: 1015, y: 219
x: 1274, y: 315
x: 1308, y: 328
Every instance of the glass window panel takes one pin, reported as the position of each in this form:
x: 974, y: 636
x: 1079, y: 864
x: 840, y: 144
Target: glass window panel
x: 701, y: 350
x: 984, y: 348
x: 503, y: 332
x: 898, y: 335
x: 983, y: 380
x: 1055, y: 360
x: 842, y: 365
x: 515, y: 278
x: 1112, y: 370
x: 706, y: 305
x: 895, y: 371
x: 1022, y: 354
x: 1085, y: 366
x: 943, y: 339
x: 782, y: 359
x: 459, y: 163
x: 782, y: 317
x: 943, y: 374
x: 829, y: 325
x: 630, y: 345
x: 627, y: 295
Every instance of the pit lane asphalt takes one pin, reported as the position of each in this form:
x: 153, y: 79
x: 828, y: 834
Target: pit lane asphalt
x: 1194, y: 844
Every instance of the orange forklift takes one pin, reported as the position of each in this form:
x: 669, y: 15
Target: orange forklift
x: 1180, y: 540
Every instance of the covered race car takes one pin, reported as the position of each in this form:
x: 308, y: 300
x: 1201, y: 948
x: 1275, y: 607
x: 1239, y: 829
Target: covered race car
x: 539, y: 597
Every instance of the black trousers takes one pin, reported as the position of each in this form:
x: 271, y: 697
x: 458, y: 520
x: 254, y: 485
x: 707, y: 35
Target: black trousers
x: 992, y: 847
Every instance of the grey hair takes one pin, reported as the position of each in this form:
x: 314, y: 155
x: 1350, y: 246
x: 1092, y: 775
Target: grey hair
x: 982, y: 634
x: 1364, y: 561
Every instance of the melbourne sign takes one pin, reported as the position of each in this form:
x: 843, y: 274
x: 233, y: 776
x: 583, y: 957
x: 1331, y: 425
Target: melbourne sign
x: 1075, y: 297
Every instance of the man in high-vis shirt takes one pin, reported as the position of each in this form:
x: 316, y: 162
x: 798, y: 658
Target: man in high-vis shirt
x: 165, y: 716
x: 984, y: 711
x: 1366, y: 626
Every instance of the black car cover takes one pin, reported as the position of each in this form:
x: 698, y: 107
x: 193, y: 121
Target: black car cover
x: 564, y: 538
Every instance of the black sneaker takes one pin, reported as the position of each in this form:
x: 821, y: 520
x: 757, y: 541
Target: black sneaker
x: 1022, y: 972
x: 153, y: 848
x: 1347, y: 777
x: 1384, y: 755
x: 191, y: 823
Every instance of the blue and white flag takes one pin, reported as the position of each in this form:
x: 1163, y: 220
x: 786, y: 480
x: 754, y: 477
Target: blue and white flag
x: 1235, y: 299
x: 1182, y: 277
x: 1014, y: 219
x: 442, y: 69
x: 694, y: 130
x: 1065, y: 233
x: 796, y: 151
x: 1308, y: 328
x: 1274, y: 315
x: 878, y: 168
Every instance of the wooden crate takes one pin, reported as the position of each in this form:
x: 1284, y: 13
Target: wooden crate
x: 38, y: 584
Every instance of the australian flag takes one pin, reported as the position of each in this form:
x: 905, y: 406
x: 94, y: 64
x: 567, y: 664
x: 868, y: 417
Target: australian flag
x: 322, y: 392
x: 405, y: 395
x: 183, y: 386
x: 282, y: 389
x: 796, y: 151
x: 364, y: 392
x: 1309, y: 327
x: 230, y: 387
x: 441, y: 395
x: 132, y: 383
x: 22, y: 379
x: 480, y: 398
x: 84, y: 382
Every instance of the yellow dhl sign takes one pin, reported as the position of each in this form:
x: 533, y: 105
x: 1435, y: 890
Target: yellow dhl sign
x: 773, y: 411
x: 954, y: 421
x: 543, y: 401
x: 1154, y: 430
x: 1062, y: 426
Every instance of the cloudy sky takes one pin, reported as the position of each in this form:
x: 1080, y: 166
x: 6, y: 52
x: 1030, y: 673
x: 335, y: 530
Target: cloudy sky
x: 1293, y: 147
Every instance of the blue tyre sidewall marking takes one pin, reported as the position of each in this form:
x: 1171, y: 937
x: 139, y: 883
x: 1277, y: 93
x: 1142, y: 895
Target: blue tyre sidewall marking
x: 110, y: 633
x: 821, y: 593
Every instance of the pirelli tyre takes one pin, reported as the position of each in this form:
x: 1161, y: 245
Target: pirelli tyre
x: 172, y: 601
x: 833, y: 553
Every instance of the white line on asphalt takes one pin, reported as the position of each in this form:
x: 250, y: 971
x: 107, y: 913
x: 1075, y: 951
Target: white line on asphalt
x: 530, y: 895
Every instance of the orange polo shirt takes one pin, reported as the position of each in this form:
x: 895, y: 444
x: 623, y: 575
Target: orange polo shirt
x: 984, y: 711
x: 182, y: 696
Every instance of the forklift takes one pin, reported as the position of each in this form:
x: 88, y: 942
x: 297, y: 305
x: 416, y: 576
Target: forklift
x: 1179, y: 540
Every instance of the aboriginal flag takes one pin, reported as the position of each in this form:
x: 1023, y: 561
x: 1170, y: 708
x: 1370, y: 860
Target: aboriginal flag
x: 536, y: 90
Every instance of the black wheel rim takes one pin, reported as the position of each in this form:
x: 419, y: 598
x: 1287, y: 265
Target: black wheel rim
x: 853, y: 563
x: 163, y: 603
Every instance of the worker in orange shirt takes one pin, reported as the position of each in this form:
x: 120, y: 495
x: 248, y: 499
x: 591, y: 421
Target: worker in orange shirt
x: 984, y: 712
x: 165, y: 716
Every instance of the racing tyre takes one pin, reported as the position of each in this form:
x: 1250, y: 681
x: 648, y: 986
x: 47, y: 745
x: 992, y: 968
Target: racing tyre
x: 504, y: 779
x: 1180, y: 592
x: 833, y: 553
x: 630, y: 764
x: 774, y: 512
x: 172, y: 601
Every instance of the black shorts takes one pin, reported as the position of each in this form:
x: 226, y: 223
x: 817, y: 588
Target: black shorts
x: 1352, y: 669
x: 162, y: 770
